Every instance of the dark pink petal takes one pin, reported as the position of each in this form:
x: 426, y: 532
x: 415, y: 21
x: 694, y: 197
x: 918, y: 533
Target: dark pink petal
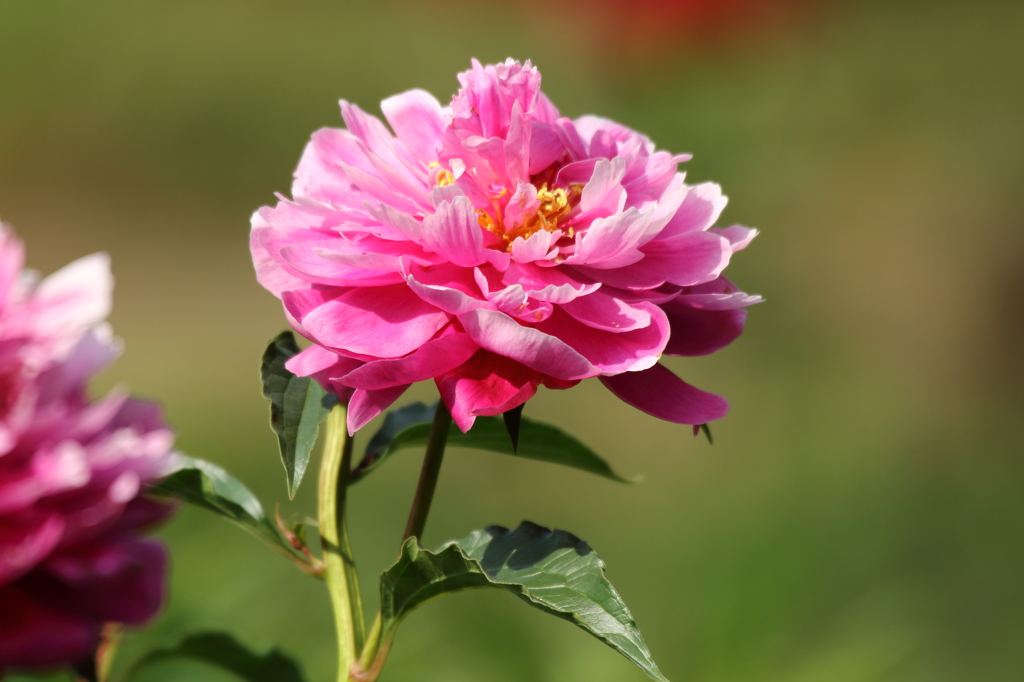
x: 452, y: 289
x: 545, y: 353
x: 386, y: 322
x: 119, y: 581
x: 27, y: 542
x: 660, y: 393
x: 365, y: 405
x: 718, y: 294
x: 488, y: 384
x: 608, y: 351
x: 701, y: 332
x: 432, y: 359
x: 32, y: 635
x: 601, y: 310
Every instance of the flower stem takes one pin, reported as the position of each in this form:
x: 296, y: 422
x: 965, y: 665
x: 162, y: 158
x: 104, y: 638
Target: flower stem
x: 339, y: 567
x: 429, y: 473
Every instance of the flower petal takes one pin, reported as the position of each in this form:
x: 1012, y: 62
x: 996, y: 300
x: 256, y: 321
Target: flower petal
x: 430, y: 360
x: 550, y: 355
x: 365, y: 405
x: 660, y: 393
x: 385, y: 322
x: 488, y: 384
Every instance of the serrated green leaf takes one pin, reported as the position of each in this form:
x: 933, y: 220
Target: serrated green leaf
x: 553, y: 571
x: 224, y: 651
x: 207, y: 485
x: 410, y: 428
x: 297, y: 406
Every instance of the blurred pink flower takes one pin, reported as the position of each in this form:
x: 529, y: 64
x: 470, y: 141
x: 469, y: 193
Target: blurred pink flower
x: 495, y: 246
x: 71, y: 470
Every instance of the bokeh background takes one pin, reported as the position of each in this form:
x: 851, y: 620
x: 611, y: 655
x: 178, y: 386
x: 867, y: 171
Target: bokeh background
x: 860, y: 515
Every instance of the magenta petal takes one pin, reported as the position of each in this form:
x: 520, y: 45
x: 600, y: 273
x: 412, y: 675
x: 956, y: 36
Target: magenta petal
x: 365, y: 405
x: 433, y: 358
x: 701, y: 332
x: 385, y: 322
x: 118, y: 581
x: 603, y: 311
x: 501, y: 334
x: 611, y: 352
x: 488, y: 384
x: 25, y: 544
x: 32, y: 635
x: 660, y: 393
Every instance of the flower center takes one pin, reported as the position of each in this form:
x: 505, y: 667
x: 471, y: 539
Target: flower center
x: 555, y: 204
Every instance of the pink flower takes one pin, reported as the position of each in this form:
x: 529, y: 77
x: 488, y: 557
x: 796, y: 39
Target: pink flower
x: 71, y: 470
x: 495, y: 246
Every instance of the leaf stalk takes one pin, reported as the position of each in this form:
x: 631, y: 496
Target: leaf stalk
x: 339, y: 567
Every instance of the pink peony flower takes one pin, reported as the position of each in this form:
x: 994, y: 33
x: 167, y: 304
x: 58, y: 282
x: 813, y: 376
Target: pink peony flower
x: 495, y: 246
x: 71, y: 470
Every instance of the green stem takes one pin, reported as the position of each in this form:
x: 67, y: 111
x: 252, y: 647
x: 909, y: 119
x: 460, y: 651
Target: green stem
x: 339, y: 568
x: 429, y: 473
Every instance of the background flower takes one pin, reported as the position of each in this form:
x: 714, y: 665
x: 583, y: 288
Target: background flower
x: 71, y: 469
x: 496, y: 246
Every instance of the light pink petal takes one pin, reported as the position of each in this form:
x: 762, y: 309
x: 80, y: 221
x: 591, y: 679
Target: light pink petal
x: 548, y: 354
x: 365, y: 405
x: 660, y: 393
x: 417, y: 120
x: 603, y: 195
x: 691, y: 258
x: 739, y: 236
x: 269, y: 272
x: 73, y: 299
x: 611, y: 242
x: 454, y: 232
x: 430, y: 360
x: 699, y: 210
x: 536, y: 247
x: 385, y: 322
x: 521, y: 205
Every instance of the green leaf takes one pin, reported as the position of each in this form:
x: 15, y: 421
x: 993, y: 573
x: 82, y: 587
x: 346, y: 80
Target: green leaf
x: 297, y: 406
x: 409, y: 427
x: 206, y: 485
x: 224, y: 651
x: 553, y: 571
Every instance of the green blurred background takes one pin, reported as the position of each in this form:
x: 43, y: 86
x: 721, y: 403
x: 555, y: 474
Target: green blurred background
x: 860, y: 514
